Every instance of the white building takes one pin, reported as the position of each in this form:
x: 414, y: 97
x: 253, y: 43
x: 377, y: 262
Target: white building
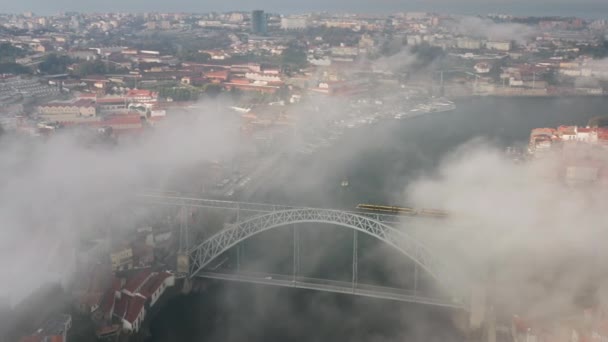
x: 293, y: 23
x: 468, y: 43
x: 262, y: 77
x: 499, y: 45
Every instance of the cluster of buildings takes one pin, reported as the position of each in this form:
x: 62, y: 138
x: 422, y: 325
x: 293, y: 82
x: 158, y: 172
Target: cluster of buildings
x: 590, y: 325
x: 117, y: 284
x: 581, y: 151
x: 55, y: 329
x: 544, y: 57
x: 124, y: 306
x: 126, y: 113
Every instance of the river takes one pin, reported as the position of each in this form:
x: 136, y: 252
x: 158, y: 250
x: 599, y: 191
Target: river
x: 379, y: 161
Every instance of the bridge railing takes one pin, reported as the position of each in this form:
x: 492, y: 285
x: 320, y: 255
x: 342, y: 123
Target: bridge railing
x: 247, y: 208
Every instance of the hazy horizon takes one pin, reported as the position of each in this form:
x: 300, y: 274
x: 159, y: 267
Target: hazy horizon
x: 585, y: 8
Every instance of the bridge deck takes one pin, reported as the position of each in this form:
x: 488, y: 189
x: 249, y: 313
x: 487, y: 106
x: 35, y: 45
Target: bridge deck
x: 333, y: 286
x: 245, y: 207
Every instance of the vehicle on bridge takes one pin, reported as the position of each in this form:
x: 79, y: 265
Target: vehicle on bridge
x: 403, y: 210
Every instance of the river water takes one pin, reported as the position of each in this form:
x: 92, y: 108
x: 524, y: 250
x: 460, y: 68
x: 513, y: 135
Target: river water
x: 379, y: 162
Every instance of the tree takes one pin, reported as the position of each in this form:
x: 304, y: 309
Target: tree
x: 599, y: 51
x: 295, y: 57
x: 9, y: 53
x: 213, y: 89
x: 13, y: 68
x: 96, y: 67
x: 178, y: 93
x: 54, y: 64
x: 193, y: 56
x: 598, y: 121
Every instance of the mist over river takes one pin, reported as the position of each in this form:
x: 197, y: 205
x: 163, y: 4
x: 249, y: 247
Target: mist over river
x: 379, y: 161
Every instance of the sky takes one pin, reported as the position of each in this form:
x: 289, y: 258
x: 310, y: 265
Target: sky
x: 583, y: 8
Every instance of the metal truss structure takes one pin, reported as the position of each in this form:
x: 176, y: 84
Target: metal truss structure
x: 255, y: 218
x: 222, y: 241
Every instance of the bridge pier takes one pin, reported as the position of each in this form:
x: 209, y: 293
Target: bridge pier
x: 355, y: 259
x: 296, y: 252
x: 183, y: 263
x: 477, y: 314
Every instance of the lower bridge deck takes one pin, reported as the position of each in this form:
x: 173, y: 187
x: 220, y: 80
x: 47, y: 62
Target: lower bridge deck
x: 334, y: 286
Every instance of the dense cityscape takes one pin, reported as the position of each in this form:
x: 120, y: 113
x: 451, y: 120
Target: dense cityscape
x: 128, y: 98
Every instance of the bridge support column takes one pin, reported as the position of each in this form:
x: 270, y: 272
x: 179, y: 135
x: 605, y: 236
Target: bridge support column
x: 355, y: 259
x: 415, y: 278
x: 183, y: 262
x: 296, y: 252
x: 478, y: 304
x: 238, y: 257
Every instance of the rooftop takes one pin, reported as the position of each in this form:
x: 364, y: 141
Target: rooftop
x: 137, y: 281
x: 135, y: 306
x: 154, y: 283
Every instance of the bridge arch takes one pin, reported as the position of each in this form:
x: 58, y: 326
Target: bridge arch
x: 222, y: 241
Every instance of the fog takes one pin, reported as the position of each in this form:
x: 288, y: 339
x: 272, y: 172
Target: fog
x: 539, y: 236
x: 486, y: 28
x: 57, y: 191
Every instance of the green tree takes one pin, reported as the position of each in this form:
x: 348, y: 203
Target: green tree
x: 8, y: 53
x: 54, y: 64
x: 14, y: 68
x: 96, y: 67
x: 213, y: 89
x: 294, y: 57
x: 599, y: 121
x: 188, y: 55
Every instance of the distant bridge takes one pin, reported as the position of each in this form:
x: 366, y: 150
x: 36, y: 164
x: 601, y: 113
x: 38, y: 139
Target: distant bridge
x: 255, y: 218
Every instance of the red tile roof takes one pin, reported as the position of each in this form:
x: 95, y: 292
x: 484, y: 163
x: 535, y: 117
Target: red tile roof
x: 240, y: 81
x: 136, y: 305
x: 566, y: 129
x: 135, y: 283
x: 32, y: 338
x: 223, y: 74
x: 109, y: 329
x: 111, y: 100
x: 129, y: 119
x: 140, y: 92
x: 154, y: 284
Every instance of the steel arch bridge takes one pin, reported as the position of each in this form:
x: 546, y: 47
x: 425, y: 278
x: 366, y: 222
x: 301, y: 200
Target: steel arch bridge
x: 222, y: 241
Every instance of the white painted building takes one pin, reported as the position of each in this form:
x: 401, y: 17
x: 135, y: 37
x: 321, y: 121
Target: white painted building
x: 293, y: 23
x: 499, y: 45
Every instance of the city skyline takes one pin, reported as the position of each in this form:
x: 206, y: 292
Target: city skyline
x: 585, y: 8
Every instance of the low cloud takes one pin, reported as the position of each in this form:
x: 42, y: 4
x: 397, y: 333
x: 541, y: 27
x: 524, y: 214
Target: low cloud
x: 57, y: 191
x: 486, y: 28
x: 541, y: 237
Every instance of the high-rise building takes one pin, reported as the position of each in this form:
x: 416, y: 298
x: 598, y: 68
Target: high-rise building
x: 259, y: 22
